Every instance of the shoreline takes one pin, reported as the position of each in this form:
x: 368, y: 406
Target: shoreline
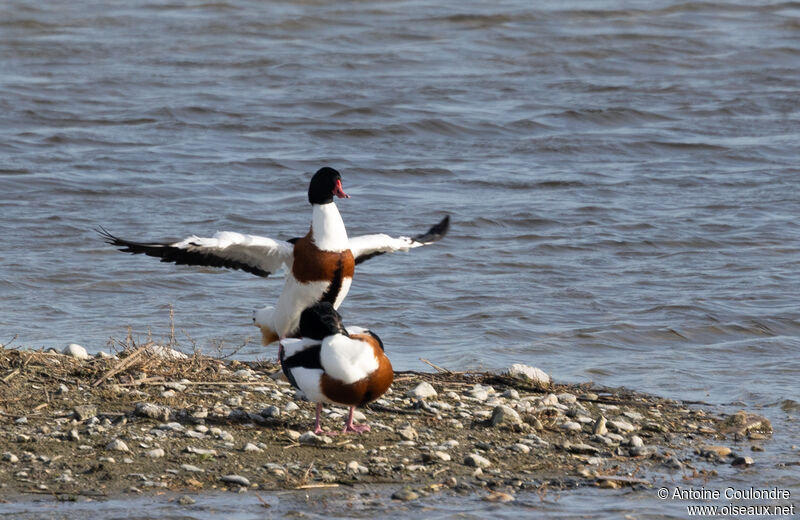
x: 148, y: 421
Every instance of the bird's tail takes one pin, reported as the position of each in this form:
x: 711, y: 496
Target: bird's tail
x: 262, y: 318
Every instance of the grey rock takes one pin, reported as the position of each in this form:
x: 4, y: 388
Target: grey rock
x: 192, y: 469
x: 156, y: 453
x: 477, y: 461
x: 599, y: 427
x: 422, y: 391
x: 117, y: 445
x: 742, y: 461
x: 166, y: 352
x: 408, y: 433
x: 271, y: 411
x: 84, y: 412
x: 62, y: 389
x: 200, y: 451
x: 567, y: 398
x: 510, y: 394
x: 356, y: 468
x: 250, y: 447
x: 620, y: 425
x: 673, y: 463
x: 571, y: 426
x: 75, y: 351
x: 635, y: 441
x: 312, y: 439
x: 235, y: 479
x: 405, y: 495
x: 521, y: 448
x: 549, y: 400
x: 581, y: 448
x: 529, y: 373
x: 290, y: 407
x: 10, y: 457
x: 152, y: 411
x: 504, y: 415
x: 185, y: 500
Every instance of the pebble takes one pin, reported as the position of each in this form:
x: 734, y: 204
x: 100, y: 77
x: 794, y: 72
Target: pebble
x: 117, y: 445
x: 522, y: 448
x: 408, y: 433
x: 185, y: 500
x: 719, y: 451
x: 175, y: 386
x: 152, y: 411
x: 312, y: 439
x: 10, y: 457
x: 477, y: 461
x: 581, y: 448
x: 571, y: 426
x: 291, y: 406
x: 504, y: 415
x: 156, y: 453
x: 62, y: 389
x: 510, y: 394
x: 200, y: 451
x: 235, y: 479
x: 404, y: 495
x: 422, y: 391
x: 76, y: 351
x: 742, y: 461
x: 533, y: 374
x: 599, y: 427
x: 635, y: 441
x: 549, y: 400
x: 192, y: 469
x: 355, y: 467
x: 251, y: 447
x: 84, y: 412
x: 567, y: 398
x: 620, y: 426
x: 673, y: 463
x: 497, y: 496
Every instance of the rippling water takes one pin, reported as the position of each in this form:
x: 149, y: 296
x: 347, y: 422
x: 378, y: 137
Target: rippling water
x: 623, y: 181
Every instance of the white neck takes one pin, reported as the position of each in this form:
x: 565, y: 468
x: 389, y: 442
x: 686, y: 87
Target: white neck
x: 327, y: 228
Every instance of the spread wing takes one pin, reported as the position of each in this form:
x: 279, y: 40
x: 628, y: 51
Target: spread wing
x: 250, y: 253
x: 365, y: 247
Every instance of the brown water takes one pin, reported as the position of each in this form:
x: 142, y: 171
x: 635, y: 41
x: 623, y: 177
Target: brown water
x: 623, y: 183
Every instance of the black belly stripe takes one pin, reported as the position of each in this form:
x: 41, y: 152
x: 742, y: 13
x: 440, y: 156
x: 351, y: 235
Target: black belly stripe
x: 336, y: 285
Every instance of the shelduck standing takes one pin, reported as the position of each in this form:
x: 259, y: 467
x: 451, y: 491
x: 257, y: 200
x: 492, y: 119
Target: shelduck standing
x: 319, y: 265
x: 331, y: 364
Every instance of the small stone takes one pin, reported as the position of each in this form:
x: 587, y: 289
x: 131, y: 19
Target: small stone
x: 408, y: 433
x: 715, y: 451
x: 422, y: 391
x: 510, y: 394
x: 571, y: 426
x: 73, y: 435
x: 293, y: 435
x: 549, y: 400
x: 567, y: 398
x: 200, y: 451
x: 620, y: 426
x: 504, y: 415
x: 673, y: 463
x: 291, y: 406
x: 10, y: 457
x: 522, y: 448
x: 156, y: 453
x: 84, y: 412
x: 76, y: 351
x: 172, y: 385
x: 62, y: 389
x: 742, y: 461
x: 185, y: 500
x: 21, y: 420
x: 312, y: 439
x: 635, y: 441
x: 356, y: 468
x: 498, y: 496
x: 634, y: 416
x: 192, y: 469
x: 581, y: 448
x: 250, y: 447
x: 166, y: 394
x: 271, y: 411
x: 117, y: 445
x: 107, y: 460
x: 599, y: 427
x: 153, y: 411
x: 235, y: 479
x: 477, y: 461
x: 443, y: 456
x: 405, y: 495
x: 529, y: 373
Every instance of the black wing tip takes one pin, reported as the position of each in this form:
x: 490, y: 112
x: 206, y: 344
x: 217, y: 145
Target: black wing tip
x: 436, y: 232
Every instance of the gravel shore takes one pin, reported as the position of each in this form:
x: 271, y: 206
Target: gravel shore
x: 151, y: 419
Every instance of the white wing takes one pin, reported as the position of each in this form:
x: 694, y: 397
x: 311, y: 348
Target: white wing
x: 253, y: 254
x: 365, y: 247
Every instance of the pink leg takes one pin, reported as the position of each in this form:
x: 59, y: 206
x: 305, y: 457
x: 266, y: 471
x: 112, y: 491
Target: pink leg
x: 349, y: 427
x: 317, y: 426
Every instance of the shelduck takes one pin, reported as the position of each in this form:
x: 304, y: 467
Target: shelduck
x: 331, y: 364
x: 319, y: 266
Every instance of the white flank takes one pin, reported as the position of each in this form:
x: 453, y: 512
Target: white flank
x: 308, y: 380
x: 327, y: 228
x: 346, y: 359
x: 354, y: 329
x: 292, y: 346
